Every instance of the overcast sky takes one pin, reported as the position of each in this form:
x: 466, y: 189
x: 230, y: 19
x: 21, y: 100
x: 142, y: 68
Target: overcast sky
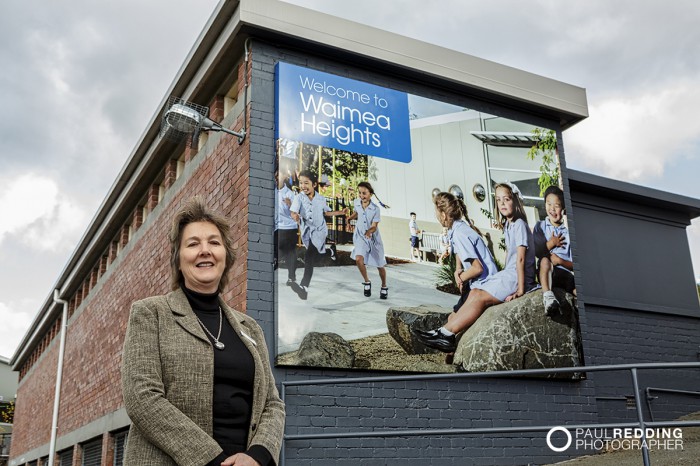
x: 79, y: 81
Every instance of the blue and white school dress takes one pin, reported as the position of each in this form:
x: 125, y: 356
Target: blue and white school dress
x: 313, y: 221
x: 284, y: 220
x: 371, y: 249
x: 505, y: 283
x: 544, y: 230
x: 469, y: 246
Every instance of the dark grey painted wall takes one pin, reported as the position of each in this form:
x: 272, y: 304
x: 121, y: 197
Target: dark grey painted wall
x: 641, y: 303
x: 459, y: 403
x: 615, y: 336
x: 633, y: 255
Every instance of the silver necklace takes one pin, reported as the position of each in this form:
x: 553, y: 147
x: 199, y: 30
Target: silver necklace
x: 217, y: 344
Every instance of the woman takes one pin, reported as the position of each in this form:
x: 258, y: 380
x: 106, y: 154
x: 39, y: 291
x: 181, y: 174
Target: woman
x: 196, y: 376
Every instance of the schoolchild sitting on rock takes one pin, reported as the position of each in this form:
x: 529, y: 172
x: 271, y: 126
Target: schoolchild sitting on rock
x: 516, y: 279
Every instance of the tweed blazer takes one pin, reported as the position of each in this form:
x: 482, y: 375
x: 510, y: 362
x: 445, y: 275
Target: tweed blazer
x: 168, y: 385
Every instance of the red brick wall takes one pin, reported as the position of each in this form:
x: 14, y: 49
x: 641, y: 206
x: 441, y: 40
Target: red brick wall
x: 91, y: 378
x: 33, y: 414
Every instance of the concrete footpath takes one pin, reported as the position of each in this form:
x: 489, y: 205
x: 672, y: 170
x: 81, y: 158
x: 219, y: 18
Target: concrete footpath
x: 336, y: 302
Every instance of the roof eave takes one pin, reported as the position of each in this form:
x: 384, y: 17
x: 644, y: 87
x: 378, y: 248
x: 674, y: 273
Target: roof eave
x: 598, y: 185
x: 489, y: 80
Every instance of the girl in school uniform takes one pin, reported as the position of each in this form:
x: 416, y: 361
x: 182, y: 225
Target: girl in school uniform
x: 474, y: 260
x: 517, y: 278
x: 368, y: 248
x: 285, y: 227
x: 309, y: 209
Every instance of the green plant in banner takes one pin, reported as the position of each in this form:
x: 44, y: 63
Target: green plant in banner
x: 445, y: 275
x: 7, y: 412
x: 545, y: 149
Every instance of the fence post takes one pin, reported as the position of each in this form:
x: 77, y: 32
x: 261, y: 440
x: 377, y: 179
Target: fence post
x: 283, y: 396
x: 640, y: 418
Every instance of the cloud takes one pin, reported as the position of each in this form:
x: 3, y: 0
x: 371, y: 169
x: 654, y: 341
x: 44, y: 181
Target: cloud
x: 80, y: 83
x: 14, y: 325
x: 635, y: 137
x: 37, y: 215
x: 25, y: 200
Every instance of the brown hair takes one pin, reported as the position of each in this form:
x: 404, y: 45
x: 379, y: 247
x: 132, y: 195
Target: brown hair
x: 518, y: 208
x: 310, y: 175
x: 195, y: 210
x: 368, y: 187
x: 454, y: 208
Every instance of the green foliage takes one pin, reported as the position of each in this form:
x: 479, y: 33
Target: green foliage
x: 445, y: 274
x: 499, y: 265
x: 7, y: 412
x: 343, y: 170
x: 545, y: 150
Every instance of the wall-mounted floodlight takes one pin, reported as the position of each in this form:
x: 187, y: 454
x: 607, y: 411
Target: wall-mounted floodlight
x: 181, y: 118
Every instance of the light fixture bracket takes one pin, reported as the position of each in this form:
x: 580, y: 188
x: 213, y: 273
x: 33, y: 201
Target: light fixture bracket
x: 181, y: 119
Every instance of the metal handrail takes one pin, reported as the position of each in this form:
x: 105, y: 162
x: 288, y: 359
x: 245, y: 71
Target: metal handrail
x: 648, y: 391
x: 641, y: 423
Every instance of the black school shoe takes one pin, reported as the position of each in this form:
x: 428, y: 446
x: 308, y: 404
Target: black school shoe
x: 299, y: 290
x: 435, y: 339
x: 303, y: 294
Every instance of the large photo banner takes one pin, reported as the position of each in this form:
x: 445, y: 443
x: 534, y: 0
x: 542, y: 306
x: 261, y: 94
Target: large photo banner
x: 331, y: 111
x: 416, y: 235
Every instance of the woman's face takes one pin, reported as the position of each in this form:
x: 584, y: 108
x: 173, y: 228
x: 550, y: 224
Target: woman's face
x: 504, y: 202
x: 202, y: 257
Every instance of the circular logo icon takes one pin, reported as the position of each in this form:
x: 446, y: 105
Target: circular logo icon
x: 559, y: 429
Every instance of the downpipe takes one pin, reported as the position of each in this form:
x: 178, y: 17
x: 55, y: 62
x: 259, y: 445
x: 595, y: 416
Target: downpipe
x: 59, y: 375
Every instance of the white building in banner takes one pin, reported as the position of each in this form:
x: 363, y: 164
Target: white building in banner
x: 465, y: 151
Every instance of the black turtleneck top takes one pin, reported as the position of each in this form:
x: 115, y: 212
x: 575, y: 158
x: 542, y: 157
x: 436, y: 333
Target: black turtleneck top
x: 234, y: 373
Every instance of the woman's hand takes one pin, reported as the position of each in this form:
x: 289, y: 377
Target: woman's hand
x: 240, y: 459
